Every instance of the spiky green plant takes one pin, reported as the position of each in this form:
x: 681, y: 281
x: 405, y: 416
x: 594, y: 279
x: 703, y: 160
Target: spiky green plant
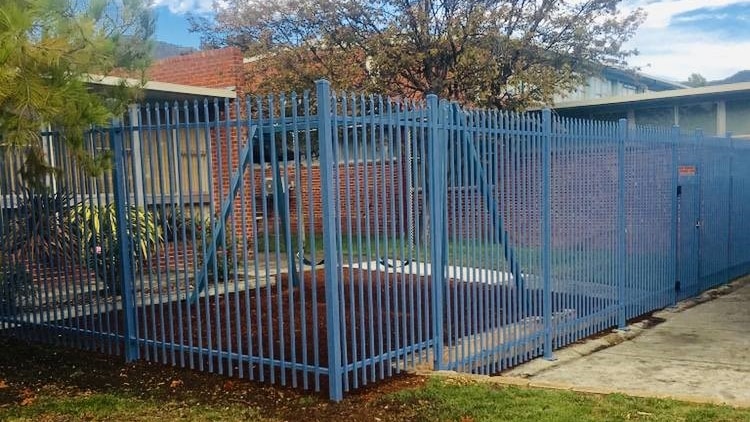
x: 39, y: 231
x: 97, y: 228
x: 36, y: 234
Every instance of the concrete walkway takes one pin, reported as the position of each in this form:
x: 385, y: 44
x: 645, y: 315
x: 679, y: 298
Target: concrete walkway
x: 700, y: 353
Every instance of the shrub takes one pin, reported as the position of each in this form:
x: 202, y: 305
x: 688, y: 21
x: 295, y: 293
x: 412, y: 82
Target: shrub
x: 176, y: 224
x: 96, y: 227
x: 38, y: 230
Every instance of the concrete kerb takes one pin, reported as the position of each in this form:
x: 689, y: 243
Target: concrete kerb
x: 519, y: 376
x: 586, y: 347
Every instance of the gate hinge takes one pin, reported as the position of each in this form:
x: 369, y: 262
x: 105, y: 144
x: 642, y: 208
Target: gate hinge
x: 677, y: 286
x: 679, y: 190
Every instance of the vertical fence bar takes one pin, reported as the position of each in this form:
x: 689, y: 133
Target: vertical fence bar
x: 327, y: 163
x: 730, y: 173
x: 547, y: 230
x: 437, y: 150
x: 700, y: 210
x: 128, y: 293
x: 674, y: 144
x: 622, y: 134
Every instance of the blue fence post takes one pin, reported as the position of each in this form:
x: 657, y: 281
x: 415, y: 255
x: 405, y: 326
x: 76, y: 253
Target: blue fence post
x: 333, y: 299
x: 674, y: 144
x: 699, y: 144
x: 547, y: 230
x: 730, y: 191
x: 119, y: 178
x: 436, y: 153
x: 622, y: 134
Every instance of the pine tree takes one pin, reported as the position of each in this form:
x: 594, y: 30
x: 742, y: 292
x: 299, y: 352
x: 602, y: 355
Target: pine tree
x: 49, y: 51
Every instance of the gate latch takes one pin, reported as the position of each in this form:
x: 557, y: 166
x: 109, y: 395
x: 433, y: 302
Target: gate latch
x: 698, y: 223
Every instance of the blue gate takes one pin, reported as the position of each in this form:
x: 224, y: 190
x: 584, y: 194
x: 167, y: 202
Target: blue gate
x: 689, y: 220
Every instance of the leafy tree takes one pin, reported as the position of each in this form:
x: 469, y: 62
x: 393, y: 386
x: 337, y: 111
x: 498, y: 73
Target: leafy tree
x: 48, y: 51
x: 501, y: 53
x: 696, y: 80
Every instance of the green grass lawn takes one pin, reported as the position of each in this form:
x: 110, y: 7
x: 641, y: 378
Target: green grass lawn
x: 407, y: 399
x: 465, y: 252
x: 112, y: 407
x: 451, y: 400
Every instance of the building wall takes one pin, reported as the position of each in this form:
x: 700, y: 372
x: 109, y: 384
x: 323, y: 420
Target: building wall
x: 221, y: 68
x: 714, y: 116
x: 599, y: 87
x: 583, y: 201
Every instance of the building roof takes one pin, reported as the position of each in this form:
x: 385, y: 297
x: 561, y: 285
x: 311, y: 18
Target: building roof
x: 165, y: 91
x: 653, y: 83
x: 681, y: 95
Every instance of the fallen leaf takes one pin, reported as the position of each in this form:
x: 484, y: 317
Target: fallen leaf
x: 3, y: 384
x: 27, y: 397
x: 175, y: 384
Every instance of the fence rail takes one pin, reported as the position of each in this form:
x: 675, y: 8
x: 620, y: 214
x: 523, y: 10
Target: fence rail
x: 328, y: 241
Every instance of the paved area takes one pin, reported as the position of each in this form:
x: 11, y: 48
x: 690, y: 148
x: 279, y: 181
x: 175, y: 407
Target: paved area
x: 700, y: 353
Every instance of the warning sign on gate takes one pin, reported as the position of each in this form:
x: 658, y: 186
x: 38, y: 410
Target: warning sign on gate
x: 687, y: 170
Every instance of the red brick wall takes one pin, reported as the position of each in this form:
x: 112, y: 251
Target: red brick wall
x: 223, y: 68
x: 583, y: 196
x: 220, y: 68
x: 356, y: 200
x: 583, y: 201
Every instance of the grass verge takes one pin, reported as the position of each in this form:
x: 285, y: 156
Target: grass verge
x: 461, y: 400
x: 53, y: 383
x: 117, y: 407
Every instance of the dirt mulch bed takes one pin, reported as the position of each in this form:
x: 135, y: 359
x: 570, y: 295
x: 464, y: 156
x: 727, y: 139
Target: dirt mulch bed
x: 382, y: 313
x: 30, y: 370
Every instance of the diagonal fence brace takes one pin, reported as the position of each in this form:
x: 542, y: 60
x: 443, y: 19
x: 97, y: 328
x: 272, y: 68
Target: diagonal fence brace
x: 496, y: 218
x: 226, y: 211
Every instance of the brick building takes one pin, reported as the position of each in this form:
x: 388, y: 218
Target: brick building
x: 225, y: 69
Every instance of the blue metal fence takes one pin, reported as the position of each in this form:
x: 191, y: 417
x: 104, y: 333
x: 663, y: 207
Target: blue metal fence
x: 330, y: 241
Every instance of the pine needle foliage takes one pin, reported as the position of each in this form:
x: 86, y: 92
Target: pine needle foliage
x: 49, y: 52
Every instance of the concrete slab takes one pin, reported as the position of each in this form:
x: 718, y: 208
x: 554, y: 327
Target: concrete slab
x: 701, y: 353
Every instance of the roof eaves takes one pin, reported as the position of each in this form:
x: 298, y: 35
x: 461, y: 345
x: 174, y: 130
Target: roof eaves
x: 166, y: 87
x: 660, y: 95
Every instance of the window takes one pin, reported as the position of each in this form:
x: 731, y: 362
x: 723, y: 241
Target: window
x: 662, y: 116
x: 737, y: 117
x: 168, y: 155
x: 698, y: 116
x: 10, y: 164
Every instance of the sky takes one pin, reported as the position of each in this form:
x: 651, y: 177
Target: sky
x: 172, y: 24
x: 679, y: 37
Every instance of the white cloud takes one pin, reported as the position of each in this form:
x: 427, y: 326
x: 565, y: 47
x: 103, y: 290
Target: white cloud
x: 708, y: 59
x: 661, y: 12
x: 184, y: 6
x: 676, y: 53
